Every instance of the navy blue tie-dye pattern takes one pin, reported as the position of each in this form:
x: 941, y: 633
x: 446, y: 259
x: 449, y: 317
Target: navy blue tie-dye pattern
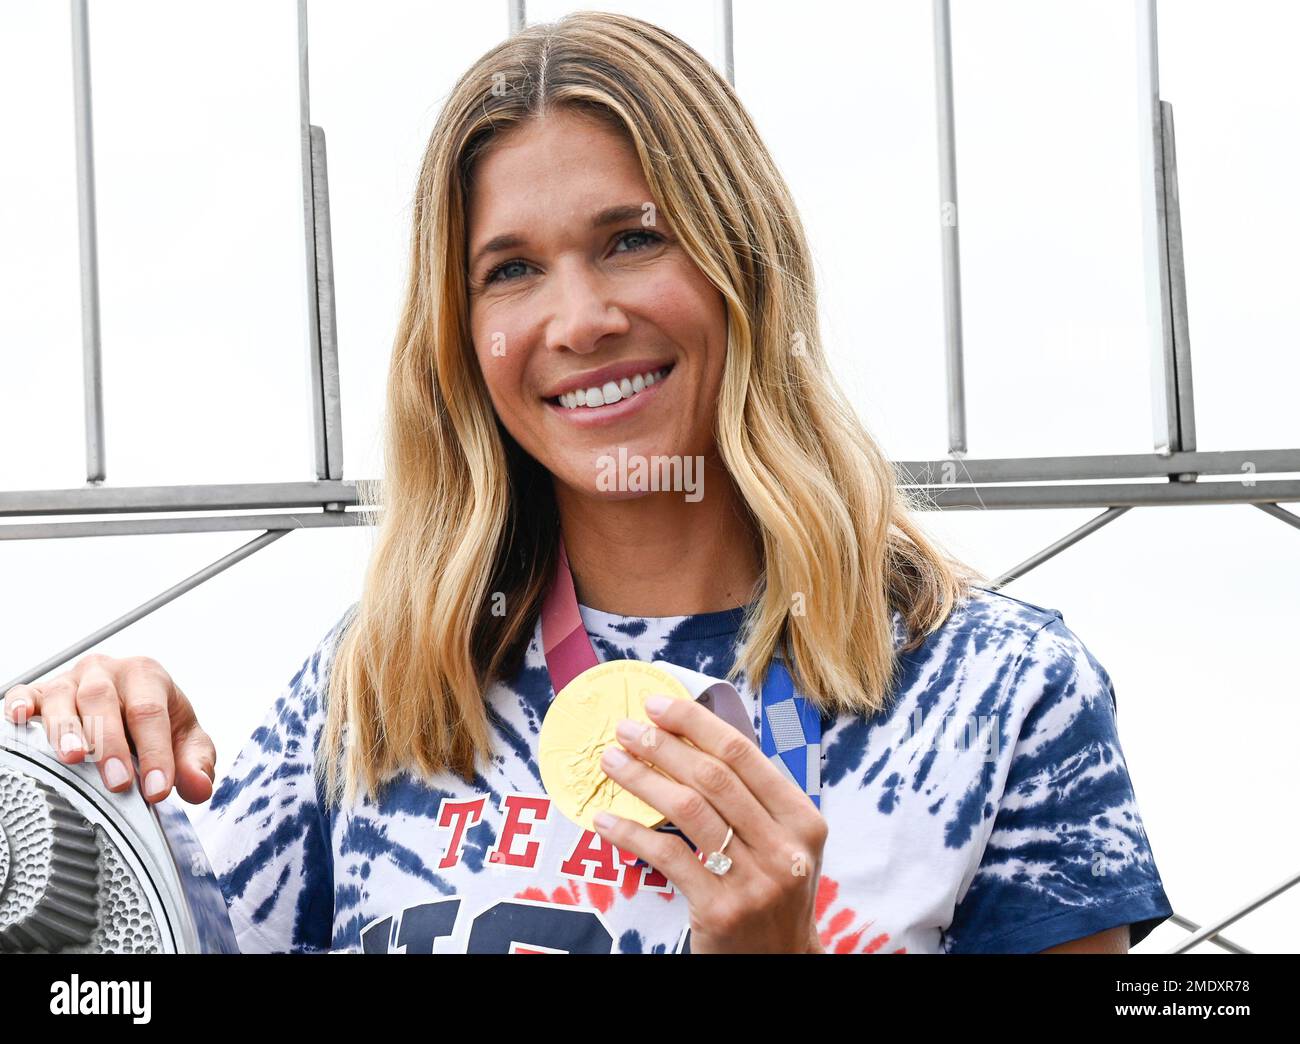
x: 1067, y: 827
x: 987, y: 809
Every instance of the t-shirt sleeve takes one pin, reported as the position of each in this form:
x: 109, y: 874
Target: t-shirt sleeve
x: 1067, y: 855
x: 265, y: 830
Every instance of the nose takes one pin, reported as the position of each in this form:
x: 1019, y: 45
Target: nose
x: 582, y: 308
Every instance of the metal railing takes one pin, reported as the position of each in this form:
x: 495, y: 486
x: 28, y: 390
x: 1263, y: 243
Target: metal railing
x: 1112, y: 482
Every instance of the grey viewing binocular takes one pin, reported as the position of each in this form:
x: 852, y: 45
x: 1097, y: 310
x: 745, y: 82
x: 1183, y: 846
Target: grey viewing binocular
x: 85, y: 870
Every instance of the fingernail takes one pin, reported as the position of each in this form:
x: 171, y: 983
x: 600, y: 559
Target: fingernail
x: 70, y: 742
x: 656, y: 704
x: 629, y: 731
x: 613, y: 758
x: 154, y: 782
x: 18, y: 711
x: 115, y: 772
x: 604, y: 820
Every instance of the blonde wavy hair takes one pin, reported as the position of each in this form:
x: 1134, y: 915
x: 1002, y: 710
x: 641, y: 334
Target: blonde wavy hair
x: 467, y: 515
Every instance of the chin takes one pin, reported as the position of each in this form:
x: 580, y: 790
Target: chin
x: 619, y: 495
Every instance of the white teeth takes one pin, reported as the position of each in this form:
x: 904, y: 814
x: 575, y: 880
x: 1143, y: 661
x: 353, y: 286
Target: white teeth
x: 611, y: 392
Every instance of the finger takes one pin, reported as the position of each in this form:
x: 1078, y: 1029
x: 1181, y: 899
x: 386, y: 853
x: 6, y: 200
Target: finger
x: 100, y: 708
x: 730, y: 802
x: 784, y: 801
x: 687, y: 809
x: 665, y: 852
x: 145, y: 691
x: 22, y: 703
x: 196, y: 764
x: 195, y: 754
x: 59, y: 716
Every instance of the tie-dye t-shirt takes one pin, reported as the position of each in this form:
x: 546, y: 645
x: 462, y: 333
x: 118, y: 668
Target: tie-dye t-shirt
x: 989, y: 809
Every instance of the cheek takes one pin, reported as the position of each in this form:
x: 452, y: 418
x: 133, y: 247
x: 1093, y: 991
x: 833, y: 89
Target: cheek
x: 689, y: 308
x: 671, y: 301
x: 501, y: 368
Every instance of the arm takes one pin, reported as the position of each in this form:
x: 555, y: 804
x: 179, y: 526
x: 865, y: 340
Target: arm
x: 1112, y: 940
x: 266, y: 831
x: 1067, y: 857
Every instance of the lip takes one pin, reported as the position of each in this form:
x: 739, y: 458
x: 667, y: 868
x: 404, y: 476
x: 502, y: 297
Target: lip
x: 598, y: 416
x: 613, y: 372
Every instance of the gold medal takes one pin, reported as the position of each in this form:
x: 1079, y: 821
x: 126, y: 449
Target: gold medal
x: 580, y: 724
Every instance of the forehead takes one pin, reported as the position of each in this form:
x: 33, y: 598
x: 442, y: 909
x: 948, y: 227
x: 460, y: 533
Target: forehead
x: 563, y: 166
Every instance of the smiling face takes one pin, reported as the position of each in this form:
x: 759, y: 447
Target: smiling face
x: 593, y: 327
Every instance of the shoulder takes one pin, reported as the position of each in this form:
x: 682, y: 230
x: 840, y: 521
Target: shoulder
x: 290, y: 727
x: 985, y: 614
x: 322, y: 657
x: 1024, y: 668
x: 996, y: 642
x: 313, y: 675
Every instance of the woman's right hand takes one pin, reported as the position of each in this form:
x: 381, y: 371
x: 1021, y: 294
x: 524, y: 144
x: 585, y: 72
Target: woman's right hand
x: 103, y: 703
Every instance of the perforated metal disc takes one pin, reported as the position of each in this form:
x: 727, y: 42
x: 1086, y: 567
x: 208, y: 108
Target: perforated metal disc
x: 84, y: 870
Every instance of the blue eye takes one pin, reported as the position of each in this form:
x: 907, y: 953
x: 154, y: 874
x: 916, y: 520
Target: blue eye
x: 491, y: 276
x: 654, y: 237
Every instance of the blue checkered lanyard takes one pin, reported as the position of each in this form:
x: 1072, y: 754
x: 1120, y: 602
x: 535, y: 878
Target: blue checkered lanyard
x: 791, y: 732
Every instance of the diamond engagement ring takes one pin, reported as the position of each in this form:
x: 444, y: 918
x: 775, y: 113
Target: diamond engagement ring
x: 717, y: 861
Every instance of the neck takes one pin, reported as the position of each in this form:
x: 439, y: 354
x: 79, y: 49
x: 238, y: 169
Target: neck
x: 660, y: 554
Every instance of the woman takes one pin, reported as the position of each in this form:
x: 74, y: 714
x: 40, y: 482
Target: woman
x: 608, y: 270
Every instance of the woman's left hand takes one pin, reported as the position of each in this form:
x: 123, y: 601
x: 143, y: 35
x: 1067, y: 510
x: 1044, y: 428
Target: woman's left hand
x: 765, y: 903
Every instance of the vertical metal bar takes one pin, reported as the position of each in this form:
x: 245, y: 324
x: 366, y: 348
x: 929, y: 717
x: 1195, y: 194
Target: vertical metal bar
x: 92, y: 369
x: 726, y: 41
x: 329, y: 392
x: 948, y: 230
x: 1164, y: 390
x: 309, y: 224
x: 518, y: 18
x: 1184, y: 401
x: 327, y: 424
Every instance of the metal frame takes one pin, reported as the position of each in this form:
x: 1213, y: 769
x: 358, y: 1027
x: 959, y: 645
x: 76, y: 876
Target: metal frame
x: 1174, y: 470
x: 89, y: 247
x: 949, y: 242
x: 327, y: 407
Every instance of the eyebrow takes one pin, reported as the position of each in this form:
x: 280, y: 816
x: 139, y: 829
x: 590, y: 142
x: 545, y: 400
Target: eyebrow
x: 511, y: 240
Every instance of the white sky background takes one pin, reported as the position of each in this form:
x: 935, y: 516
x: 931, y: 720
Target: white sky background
x: 1192, y: 610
